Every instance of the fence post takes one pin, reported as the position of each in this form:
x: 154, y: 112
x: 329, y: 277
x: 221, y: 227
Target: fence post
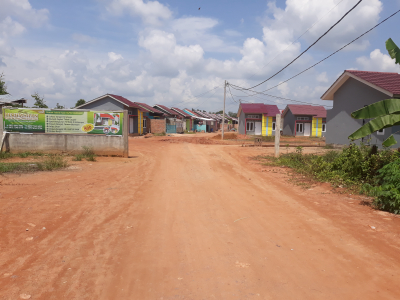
x: 125, y: 134
x: 277, y: 134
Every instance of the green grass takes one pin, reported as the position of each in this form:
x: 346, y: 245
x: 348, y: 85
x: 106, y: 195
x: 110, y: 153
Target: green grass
x: 160, y: 134
x: 264, y: 138
x: 5, y: 155
x: 48, y: 163
x: 87, y: 154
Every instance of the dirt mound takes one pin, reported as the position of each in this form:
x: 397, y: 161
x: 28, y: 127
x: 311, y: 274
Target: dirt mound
x: 227, y: 136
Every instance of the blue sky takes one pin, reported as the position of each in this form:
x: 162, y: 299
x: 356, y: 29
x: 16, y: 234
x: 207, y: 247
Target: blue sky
x: 167, y: 52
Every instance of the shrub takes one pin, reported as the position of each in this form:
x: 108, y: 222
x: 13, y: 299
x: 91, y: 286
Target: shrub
x: 78, y: 157
x: 52, y: 162
x: 386, y: 188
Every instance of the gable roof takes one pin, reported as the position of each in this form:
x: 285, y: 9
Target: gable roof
x: 259, y: 108
x: 166, y: 110
x: 148, y: 108
x: 117, y: 98
x: 385, y: 82
x: 311, y: 110
x: 180, y: 111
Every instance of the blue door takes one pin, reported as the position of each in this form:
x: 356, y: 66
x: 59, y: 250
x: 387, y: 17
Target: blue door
x: 171, y: 128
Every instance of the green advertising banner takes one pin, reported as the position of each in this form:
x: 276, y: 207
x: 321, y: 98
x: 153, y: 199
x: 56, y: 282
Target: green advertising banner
x: 31, y: 120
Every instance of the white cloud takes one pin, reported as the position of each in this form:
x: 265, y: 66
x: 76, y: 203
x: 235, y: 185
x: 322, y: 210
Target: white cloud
x: 23, y: 12
x: 114, y: 56
x: 377, y: 61
x: 284, y: 89
x: 322, y: 77
x: 232, y: 33
x: 151, y: 12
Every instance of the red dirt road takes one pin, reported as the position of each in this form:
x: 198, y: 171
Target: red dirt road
x: 189, y: 221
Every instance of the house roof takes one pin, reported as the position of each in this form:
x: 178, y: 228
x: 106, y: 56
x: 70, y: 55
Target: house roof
x: 259, y: 108
x: 106, y: 116
x: 183, y: 113
x: 166, y: 109
x: 149, y: 108
x: 115, y: 97
x: 385, y: 82
x: 311, y: 110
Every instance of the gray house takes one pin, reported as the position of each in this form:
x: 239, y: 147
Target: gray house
x: 304, y: 120
x: 354, y: 90
x: 257, y: 119
x: 110, y: 102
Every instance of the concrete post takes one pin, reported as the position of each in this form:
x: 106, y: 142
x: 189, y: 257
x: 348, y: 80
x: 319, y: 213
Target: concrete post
x: 277, y: 134
x: 125, y: 134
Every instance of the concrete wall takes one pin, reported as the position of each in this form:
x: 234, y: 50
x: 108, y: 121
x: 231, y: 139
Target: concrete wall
x: 106, y: 103
x: 242, y: 121
x: 158, y: 125
x: 288, y: 123
x: 351, y: 96
x: 67, y: 143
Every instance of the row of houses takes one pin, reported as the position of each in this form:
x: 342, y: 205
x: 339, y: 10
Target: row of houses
x: 351, y: 91
x: 158, y: 118
x: 297, y: 120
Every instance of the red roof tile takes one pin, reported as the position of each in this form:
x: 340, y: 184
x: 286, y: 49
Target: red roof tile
x: 260, y: 108
x: 384, y: 80
x: 171, y: 112
x: 185, y: 114
x: 124, y: 100
x: 316, y: 111
x: 149, y: 108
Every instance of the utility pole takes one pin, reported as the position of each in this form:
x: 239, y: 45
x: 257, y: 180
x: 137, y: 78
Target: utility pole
x: 223, y: 113
x: 277, y: 134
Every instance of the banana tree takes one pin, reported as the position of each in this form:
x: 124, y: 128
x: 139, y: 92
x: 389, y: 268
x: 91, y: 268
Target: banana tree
x: 385, y: 113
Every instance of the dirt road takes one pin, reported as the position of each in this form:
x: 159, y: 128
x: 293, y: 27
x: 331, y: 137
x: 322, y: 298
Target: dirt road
x: 189, y: 221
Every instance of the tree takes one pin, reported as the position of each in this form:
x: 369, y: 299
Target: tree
x: 386, y: 113
x: 232, y: 114
x: 39, y: 103
x: 80, y: 102
x: 58, y: 106
x: 3, y: 87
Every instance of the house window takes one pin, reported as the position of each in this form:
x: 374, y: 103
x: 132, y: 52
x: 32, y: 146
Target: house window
x: 323, y: 127
x: 381, y: 132
x: 130, y: 112
x: 273, y: 126
x: 299, y: 127
x: 302, y: 118
x: 144, y: 123
x: 250, y: 126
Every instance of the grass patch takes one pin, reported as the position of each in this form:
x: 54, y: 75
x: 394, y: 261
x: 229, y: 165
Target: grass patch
x: 6, y: 155
x: 352, y: 167
x: 87, y: 154
x: 160, y: 134
x: 329, y: 146
x: 17, y: 167
x: 264, y: 138
x: 52, y: 162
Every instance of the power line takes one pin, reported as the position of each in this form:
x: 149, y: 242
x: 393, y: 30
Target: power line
x: 199, y: 96
x: 298, y: 37
x: 392, y: 15
x: 309, y: 46
x: 278, y: 97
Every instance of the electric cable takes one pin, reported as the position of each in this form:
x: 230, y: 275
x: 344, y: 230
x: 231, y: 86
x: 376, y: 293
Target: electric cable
x: 309, y: 47
x: 392, y: 15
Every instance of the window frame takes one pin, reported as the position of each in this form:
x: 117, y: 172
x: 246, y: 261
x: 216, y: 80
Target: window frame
x: 299, y: 125
x: 378, y: 132
x: 322, y: 129
x: 252, y: 125
x: 303, y: 119
x: 273, y: 126
x: 144, y: 123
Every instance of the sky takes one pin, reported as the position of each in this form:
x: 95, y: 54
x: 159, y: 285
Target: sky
x: 172, y: 53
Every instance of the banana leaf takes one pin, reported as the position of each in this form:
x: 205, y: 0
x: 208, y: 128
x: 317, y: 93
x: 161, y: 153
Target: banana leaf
x: 375, y: 125
x: 378, y: 109
x: 393, y: 50
x: 390, y: 141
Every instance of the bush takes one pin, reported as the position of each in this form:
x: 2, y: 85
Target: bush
x: 386, y: 188
x: 52, y: 162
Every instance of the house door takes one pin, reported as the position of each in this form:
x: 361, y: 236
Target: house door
x: 130, y: 125
x: 307, y: 129
x: 257, y: 129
